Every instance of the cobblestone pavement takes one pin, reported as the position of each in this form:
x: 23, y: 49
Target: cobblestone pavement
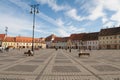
x: 49, y: 64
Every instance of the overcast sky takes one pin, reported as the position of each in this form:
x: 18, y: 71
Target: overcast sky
x: 60, y: 17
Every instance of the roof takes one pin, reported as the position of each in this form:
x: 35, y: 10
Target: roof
x: 21, y: 39
x: 2, y: 36
x: 49, y: 38
x: 109, y: 31
x: 77, y: 36
x: 91, y: 36
x: 9, y: 39
x: 61, y: 39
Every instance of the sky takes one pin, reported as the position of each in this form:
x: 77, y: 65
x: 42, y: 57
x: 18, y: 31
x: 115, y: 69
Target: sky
x: 59, y: 17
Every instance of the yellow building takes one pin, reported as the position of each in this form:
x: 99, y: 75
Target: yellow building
x: 22, y: 42
x: 9, y: 42
x: 109, y: 38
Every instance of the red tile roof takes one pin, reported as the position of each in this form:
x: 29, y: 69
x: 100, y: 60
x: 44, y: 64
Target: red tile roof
x: 77, y: 36
x: 23, y: 39
x: 9, y: 39
x: 61, y: 39
x: 2, y: 36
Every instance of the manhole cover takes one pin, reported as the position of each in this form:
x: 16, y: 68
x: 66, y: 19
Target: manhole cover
x: 105, y: 68
x: 24, y: 68
x: 65, y: 69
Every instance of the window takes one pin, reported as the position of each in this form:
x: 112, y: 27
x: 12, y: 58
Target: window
x: 107, y: 41
x: 115, y: 37
x: 110, y: 37
x: 106, y: 37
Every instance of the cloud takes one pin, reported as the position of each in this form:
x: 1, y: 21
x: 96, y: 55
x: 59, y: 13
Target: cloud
x: 104, y: 20
x: 20, y: 4
x: 96, y: 13
x: 66, y: 30
x: 98, y: 8
x: 73, y: 14
x: 53, y: 4
x: 59, y: 22
x: 113, y: 5
x: 116, y: 17
x: 75, y: 29
x: 109, y: 24
x: 15, y: 25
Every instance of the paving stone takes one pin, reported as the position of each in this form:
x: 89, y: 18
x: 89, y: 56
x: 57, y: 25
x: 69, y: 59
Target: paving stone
x: 41, y: 61
x: 11, y: 79
x: 105, y: 68
x: 24, y: 68
x: 90, y: 61
x: 110, y: 77
x: 63, y: 61
x: 65, y: 69
x: 114, y: 60
x: 7, y: 60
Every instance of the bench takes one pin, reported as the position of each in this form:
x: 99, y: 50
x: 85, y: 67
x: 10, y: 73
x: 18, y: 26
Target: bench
x: 29, y: 53
x: 83, y: 54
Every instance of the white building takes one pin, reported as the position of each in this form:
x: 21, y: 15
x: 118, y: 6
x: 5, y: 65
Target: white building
x: 91, y: 41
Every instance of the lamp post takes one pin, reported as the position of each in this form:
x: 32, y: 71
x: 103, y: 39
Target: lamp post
x: 34, y: 10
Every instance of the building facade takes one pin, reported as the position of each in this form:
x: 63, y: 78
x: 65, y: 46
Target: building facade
x: 61, y: 42
x: 2, y: 37
x: 109, y: 38
x: 22, y: 42
x: 91, y: 41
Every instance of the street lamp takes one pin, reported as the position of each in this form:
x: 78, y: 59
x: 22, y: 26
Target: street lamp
x: 34, y: 10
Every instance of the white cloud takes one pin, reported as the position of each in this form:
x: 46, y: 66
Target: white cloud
x: 53, y: 5
x: 109, y: 24
x: 73, y: 14
x: 104, y: 20
x: 20, y: 4
x: 59, y: 22
x: 62, y: 32
x: 97, y: 10
x: 68, y: 29
x: 116, y: 17
x: 113, y: 5
x: 75, y: 29
x: 97, y: 13
x: 15, y: 25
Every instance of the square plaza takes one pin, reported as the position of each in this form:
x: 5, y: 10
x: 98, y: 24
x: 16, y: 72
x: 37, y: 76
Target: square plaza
x: 51, y: 64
